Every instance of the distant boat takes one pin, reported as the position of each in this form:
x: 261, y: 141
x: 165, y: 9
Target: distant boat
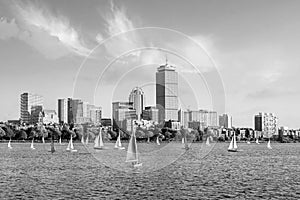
x: 233, y: 146
x: 82, y: 139
x: 70, y: 145
x: 132, y: 152
x: 9, y: 144
x: 98, y: 141
x: 207, y: 141
x: 118, y: 144
x: 87, y: 140
x: 60, y: 140
x: 269, y: 144
x: 248, y: 142
x: 182, y: 141
x: 31, y: 146
x: 257, y: 141
x: 157, y: 141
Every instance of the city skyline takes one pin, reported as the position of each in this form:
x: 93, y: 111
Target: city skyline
x: 43, y: 44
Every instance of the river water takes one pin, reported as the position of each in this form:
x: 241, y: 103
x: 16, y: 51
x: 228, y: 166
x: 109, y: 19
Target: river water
x: 168, y: 172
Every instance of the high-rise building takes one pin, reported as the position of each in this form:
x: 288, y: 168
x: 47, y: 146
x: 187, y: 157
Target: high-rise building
x: 212, y: 118
x: 28, y: 100
x: 63, y: 110
x: 225, y: 121
x: 184, y: 117
x: 167, y: 93
x: 150, y: 113
x: 137, y: 98
x: 266, y: 123
x: 122, y: 111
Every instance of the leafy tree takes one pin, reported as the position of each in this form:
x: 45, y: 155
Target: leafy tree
x: 9, y: 132
x: 2, y: 133
x: 22, y: 134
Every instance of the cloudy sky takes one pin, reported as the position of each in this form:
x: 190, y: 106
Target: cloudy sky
x: 235, y: 56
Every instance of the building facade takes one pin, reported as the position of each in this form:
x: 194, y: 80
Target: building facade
x: 50, y: 117
x: 28, y: 100
x: 225, y: 121
x: 62, y: 111
x: 150, y: 113
x: 167, y: 93
x: 266, y: 124
x: 122, y: 111
x: 137, y: 98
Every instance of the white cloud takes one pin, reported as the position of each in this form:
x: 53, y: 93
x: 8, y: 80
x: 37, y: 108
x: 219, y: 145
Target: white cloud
x: 50, y: 34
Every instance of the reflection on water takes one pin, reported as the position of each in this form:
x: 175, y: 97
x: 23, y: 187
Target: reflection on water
x: 254, y: 172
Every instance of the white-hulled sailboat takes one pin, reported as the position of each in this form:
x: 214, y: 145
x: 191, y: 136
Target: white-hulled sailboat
x: 132, y: 152
x: 98, y: 141
x: 157, y: 141
x: 9, y: 144
x: 269, y: 144
x: 87, y: 140
x: 182, y: 141
x: 31, y: 146
x: 207, y: 141
x: 118, y: 144
x: 70, y: 145
x: 233, y: 146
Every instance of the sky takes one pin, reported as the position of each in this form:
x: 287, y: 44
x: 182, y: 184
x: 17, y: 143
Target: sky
x: 236, y: 56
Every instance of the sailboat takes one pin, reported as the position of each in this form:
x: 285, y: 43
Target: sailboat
x: 157, y: 141
x: 82, y: 139
x: 257, y: 141
x: 182, y: 141
x: 9, y: 144
x: 269, y: 144
x: 70, y: 145
x: 233, y: 146
x: 98, y: 141
x: 31, y: 146
x: 207, y: 141
x: 87, y: 140
x: 132, y: 152
x: 118, y: 144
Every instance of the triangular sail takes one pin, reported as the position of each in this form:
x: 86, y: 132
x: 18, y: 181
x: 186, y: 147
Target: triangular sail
x: 97, y: 141
x: 60, y: 140
x: 117, y: 143
x: 269, y: 144
x: 157, y: 141
x: 234, y: 142
x: 82, y: 139
x: 207, y: 141
x: 119, y: 140
x: 69, y: 146
x: 231, y: 144
x: 257, y: 141
x: 31, y: 146
x: 100, y: 142
x: 132, y: 154
x: 87, y: 139
x: 71, y: 143
x: 9, y: 144
x: 182, y: 140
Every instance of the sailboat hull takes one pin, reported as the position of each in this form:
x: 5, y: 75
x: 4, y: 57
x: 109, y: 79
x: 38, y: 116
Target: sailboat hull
x: 100, y: 148
x: 137, y: 165
x: 232, y: 150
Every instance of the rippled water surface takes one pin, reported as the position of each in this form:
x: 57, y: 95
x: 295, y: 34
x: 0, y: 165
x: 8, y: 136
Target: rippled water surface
x: 167, y: 173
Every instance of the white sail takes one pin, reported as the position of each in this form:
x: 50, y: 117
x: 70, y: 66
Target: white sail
x: 234, y: 142
x: 207, y: 141
x: 31, y: 146
x: 269, y: 144
x: 182, y: 140
x: 82, y: 139
x: 69, y: 146
x: 100, y: 144
x: 157, y: 141
x: 87, y: 139
x: 60, y: 140
x: 231, y: 144
x: 43, y: 139
x: 97, y: 141
x: 257, y: 141
x: 9, y: 144
x: 132, y: 154
x: 71, y: 141
x: 119, y: 141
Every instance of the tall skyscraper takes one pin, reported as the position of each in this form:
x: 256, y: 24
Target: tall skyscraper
x: 167, y: 92
x: 225, y: 121
x: 137, y: 98
x: 29, y: 100
x: 63, y: 110
x: 266, y: 123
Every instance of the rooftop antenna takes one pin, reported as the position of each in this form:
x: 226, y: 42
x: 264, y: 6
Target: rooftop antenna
x: 166, y: 59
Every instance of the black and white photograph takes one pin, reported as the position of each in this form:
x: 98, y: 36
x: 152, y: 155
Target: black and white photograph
x: 160, y: 99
